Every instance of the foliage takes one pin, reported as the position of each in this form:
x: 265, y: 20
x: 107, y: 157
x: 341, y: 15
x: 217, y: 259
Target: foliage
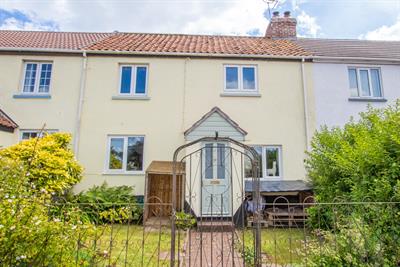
x: 29, y: 236
x: 352, y: 245
x: 358, y: 163
x: 50, y: 162
x: 104, y: 204
x: 184, y: 220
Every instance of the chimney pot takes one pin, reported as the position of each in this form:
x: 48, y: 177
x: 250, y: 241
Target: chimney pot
x: 287, y: 14
x: 275, y: 13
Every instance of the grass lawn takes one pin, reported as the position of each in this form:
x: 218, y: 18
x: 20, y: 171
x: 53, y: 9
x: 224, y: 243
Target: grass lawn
x: 280, y: 246
x: 133, y: 246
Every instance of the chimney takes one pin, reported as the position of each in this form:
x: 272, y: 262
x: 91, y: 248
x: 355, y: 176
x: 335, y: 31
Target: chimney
x: 281, y: 27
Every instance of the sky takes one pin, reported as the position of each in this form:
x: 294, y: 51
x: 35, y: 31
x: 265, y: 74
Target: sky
x: 354, y: 19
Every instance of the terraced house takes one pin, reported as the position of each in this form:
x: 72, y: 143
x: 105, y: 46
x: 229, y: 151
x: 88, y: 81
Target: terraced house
x: 131, y: 99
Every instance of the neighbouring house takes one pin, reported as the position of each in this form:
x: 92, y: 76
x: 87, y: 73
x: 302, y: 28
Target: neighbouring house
x: 349, y: 75
x: 7, y: 129
x: 131, y: 99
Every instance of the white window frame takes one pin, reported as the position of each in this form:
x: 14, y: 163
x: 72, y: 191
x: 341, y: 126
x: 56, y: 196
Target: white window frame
x: 46, y: 131
x: 359, y: 89
x: 133, y: 80
x: 37, y: 78
x: 124, y: 156
x: 264, y: 162
x: 240, y: 88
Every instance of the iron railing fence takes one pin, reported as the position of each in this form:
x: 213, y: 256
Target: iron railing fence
x: 85, y: 234
x: 340, y: 233
x: 116, y: 234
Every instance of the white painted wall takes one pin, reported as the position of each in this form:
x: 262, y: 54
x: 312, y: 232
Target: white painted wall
x: 331, y: 89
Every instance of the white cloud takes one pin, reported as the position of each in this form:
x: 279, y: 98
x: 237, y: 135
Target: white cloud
x: 168, y: 16
x: 390, y: 33
x: 307, y: 25
x: 239, y: 19
x: 14, y: 24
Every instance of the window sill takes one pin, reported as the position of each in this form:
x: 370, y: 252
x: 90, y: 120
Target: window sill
x: 121, y: 97
x: 123, y: 173
x: 26, y: 96
x: 368, y: 99
x: 240, y: 94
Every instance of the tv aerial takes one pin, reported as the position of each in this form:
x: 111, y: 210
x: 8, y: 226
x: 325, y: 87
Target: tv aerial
x: 271, y: 5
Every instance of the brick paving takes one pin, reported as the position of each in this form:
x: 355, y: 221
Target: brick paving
x: 210, y: 249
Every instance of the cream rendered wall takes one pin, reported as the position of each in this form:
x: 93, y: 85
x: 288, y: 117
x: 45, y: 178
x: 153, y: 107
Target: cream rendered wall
x: 59, y: 112
x: 181, y: 91
x: 275, y: 118
x: 159, y: 119
x: 7, y: 139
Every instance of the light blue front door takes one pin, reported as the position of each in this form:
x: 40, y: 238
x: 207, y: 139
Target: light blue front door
x: 216, y: 195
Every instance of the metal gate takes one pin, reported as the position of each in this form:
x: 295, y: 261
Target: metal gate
x: 212, y: 229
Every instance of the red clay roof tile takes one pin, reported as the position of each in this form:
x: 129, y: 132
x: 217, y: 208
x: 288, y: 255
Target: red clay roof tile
x: 7, y: 122
x: 151, y: 43
x: 49, y: 40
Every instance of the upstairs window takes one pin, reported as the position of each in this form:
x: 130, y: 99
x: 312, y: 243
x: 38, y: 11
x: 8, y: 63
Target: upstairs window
x: 365, y: 82
x: 133, y: 80
x: 240, y: 78
x: 125, y: 154
x: 37, y: 77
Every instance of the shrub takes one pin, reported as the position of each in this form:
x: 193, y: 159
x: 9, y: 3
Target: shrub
x: 49, y: 162
x: 359, y: 162
x: 104, y: 204
x: 184, y: 220
x: 29, y: 235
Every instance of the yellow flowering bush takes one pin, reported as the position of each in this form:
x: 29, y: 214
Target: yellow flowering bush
x: 49, y: 161
x: 30, y: 233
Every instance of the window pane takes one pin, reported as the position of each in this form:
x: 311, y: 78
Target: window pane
x: 232, y: 78
x: 126, y: 80
x: 272, y: 161
x: 353, y: 82
x: 45, y: 76
x: 30, y: 78
x: 376, y: 83
x: 116, y: 153
x: 134, y: 161
x: 364, y: 83
x: 248, y: 168
x: 28, y: 135
x: 221, y: 161
x: 208, y: 169
x: 249, y: 78
x: 141, y: 80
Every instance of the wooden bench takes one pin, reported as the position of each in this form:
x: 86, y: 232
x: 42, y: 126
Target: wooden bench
x: 285, y: 217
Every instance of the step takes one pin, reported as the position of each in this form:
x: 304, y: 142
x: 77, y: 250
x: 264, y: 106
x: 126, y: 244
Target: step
x: 215, y: 226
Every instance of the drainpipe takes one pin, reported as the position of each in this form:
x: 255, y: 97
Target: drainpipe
x: 80, y: 105
x: 184, y: 93
x: 305, y: 98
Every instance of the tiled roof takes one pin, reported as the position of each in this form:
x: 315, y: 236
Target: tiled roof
x: 213, y: 45
x: 198, y: 44
x: 6, y: 123
x: 49, y: 40
x: 351, y: 48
